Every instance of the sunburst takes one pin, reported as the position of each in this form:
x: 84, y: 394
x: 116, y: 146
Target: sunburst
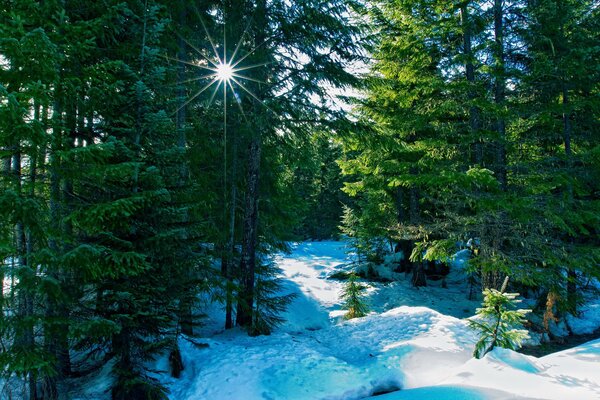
x: 221, y: 70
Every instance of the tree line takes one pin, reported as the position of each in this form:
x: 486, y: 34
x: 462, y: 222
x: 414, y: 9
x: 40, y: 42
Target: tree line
x: 480, y: 126
x: 124, y: 183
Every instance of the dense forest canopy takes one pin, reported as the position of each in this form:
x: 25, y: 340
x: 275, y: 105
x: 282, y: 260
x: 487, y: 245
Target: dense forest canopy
x: 156, y: 154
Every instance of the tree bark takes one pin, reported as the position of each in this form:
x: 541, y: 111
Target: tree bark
x: 567, y: 132
x: 186, y: 316
x: 418, y: 268
x: 248, y: 259
x: 227, y: 267
x: 245, y: 308
x: 499, y: 95
x: 24, y: 335
x: 474, y: 117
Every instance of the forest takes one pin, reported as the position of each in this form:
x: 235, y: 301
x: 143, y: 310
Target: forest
x: 159, y: 159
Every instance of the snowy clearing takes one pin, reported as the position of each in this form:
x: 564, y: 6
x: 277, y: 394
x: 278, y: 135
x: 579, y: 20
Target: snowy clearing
x: 406, y: 352
x: 416, y: 349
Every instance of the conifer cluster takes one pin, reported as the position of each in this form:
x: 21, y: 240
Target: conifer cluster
x: 119, y: 188
x: 479, y: 124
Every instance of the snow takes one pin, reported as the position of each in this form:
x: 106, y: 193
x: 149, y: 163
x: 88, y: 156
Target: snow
x: 412, y: 351
x: 569, y: 374
x: 354, y: 359
x: 588, y: 319
x: 401, y: 351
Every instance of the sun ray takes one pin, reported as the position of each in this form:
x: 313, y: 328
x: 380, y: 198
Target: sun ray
x: 248, y: 78
x: 193, y: 64
x: 210, y: 39
x: 239, y: 43
x: 208, y: 85
x: 250, y: 52
x: 224, y: 44
x: 197, y: 49
x: 238, y: 102
x: 252, y: 66
x: 253, y: 95
x: 195, y: 79
x: 225, y: 69
x: 214, y: 94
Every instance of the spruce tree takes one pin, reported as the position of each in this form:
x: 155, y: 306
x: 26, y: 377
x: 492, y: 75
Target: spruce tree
x: 498, y: 323
x: 452, y: 144
x: 353, y: 298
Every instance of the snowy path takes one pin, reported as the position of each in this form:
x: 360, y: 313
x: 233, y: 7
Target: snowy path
x: 316, y: 356
x: 306, y: 270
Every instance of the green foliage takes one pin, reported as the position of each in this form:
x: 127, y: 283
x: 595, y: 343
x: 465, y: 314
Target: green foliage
x: 498, y: 322
x: 353, y: 298
x: 269, y: 300
x: 457, y: 140
x: 132, y: 386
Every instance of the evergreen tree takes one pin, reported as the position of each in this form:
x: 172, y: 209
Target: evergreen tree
x: 353, y: 298
x: 111, y: 254
x: 452, y: 143
x: 558, y: 129
x: 270, y: 302
x: 498, y: 322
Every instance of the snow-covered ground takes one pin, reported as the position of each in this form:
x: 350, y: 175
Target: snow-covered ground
x: 412, y: 351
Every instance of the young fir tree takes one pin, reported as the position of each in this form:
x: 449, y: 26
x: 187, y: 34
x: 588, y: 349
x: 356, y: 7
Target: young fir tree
x: 498, y: 322
x: 353, y: 298
x: 270, y: 302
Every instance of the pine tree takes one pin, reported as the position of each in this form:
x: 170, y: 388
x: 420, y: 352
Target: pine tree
x: 353, y: 298
x: 559, y: 131
x: 270, y: 302
x: 452, y: 143
x: 498, y: 322
x: 26, y: 94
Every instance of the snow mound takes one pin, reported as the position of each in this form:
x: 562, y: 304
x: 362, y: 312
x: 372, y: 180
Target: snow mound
x: 570, y: 374
x: 399, y: 348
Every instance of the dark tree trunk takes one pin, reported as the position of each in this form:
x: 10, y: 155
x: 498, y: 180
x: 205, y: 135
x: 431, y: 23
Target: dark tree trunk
x: 181, y: 95
x: 186, y: 308
x: 25, y: 333
x: 248, y: 258
x: 6, y: 173
x: 419, y: 278
x: 245, y: 307
x: 229, y: 260
x: 499, y: 95
x: 234, y: 12
x: 418, y: 269
x: 474, y: 117
x: 567, y: 132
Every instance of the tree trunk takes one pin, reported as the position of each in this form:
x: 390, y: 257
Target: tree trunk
x: 24, y: 335
x: 419, y: 278
x: 248, y: 258
x: 245, y: 307
x: 418, y: 268
x: 6, y: 172
x: 499, y: 95
x: 186, y: 307
x: 231, y: 241
x: 567, y: 131
x: 474, y: 117
x: 181, y: 111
